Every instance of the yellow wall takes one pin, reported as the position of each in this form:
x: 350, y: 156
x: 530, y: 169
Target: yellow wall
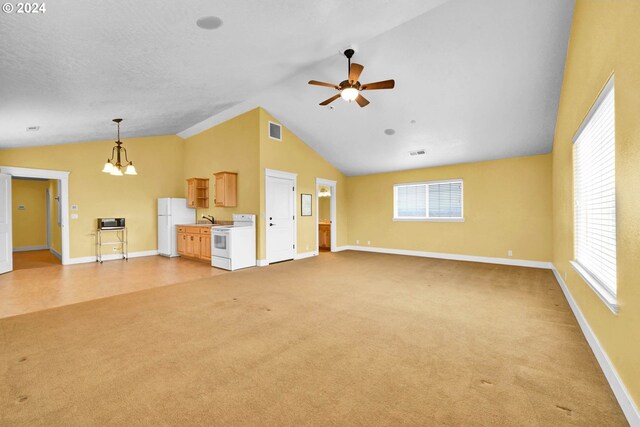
x: 159, y: 161
x: 293, y: 155
x: 324, y: 208
x: 232, y: 146
x: 605, y: 38
x: 30, y: 224
x: 56, y: 231
x: 507, y: 206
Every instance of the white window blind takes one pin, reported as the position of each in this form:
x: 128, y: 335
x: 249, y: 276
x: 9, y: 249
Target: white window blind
x: 595, y: 195
x: 428, y: 200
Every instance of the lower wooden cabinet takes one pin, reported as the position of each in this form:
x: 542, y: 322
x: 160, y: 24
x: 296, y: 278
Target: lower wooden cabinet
x: 324, y: 236
x: 194, y: 242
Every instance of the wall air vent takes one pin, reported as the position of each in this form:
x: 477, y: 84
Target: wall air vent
x: 417, y: 153
x: 275, y: 131
x: 33, y: 128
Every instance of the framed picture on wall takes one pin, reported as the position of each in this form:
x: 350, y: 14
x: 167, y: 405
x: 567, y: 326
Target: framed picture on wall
x: 305, y: 205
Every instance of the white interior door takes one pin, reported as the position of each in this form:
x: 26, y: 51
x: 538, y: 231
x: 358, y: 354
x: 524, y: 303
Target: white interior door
x: 280, y: 218
x: 6, y: 244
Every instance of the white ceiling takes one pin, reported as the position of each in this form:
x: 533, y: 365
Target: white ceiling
x: 481, y: 78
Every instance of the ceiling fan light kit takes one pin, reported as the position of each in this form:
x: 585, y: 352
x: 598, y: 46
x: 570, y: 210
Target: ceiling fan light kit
x: 350, y: 89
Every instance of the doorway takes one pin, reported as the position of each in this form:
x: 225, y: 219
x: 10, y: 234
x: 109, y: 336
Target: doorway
x: 326, y: 218
x: 280, y: 215
x: 36, y: 232
x: 7, y: 174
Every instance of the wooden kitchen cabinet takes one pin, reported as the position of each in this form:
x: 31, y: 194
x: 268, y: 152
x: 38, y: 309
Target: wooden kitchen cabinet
x: 194, y: 242
x: 198, y: 192
x: 226, y: 189
x: 324, y: 236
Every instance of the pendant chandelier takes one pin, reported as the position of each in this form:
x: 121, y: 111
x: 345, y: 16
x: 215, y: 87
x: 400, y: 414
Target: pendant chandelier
x: 114, y: 164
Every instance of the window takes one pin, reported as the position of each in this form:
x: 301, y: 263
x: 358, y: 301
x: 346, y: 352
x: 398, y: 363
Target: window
x: 595, y: 197
x: 428, y: 201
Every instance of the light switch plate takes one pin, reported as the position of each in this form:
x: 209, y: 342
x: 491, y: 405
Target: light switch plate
x: 74, y: 216
x: 74, y: 207
x: 21, y: 207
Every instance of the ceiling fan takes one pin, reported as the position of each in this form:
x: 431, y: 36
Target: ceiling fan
x: 350, y: 88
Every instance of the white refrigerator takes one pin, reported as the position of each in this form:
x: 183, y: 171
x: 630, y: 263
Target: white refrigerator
x: 170, y: 213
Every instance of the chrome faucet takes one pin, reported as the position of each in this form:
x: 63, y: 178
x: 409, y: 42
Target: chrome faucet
x: 209, y: 218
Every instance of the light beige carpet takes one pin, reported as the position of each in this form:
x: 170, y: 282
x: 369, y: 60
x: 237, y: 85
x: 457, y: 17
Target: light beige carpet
x: 342, y: 339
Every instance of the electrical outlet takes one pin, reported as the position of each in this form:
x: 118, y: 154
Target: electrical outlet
x: 74, y: 216
x: 307, y: 247
x: 357, y: 242
x: 74, y: 207
x: 510, y: 253
x: 114, y: 249
x: 565, y: 276
x: 369, y: 242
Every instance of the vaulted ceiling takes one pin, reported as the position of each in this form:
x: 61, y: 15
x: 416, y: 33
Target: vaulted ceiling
x: 475, y: 79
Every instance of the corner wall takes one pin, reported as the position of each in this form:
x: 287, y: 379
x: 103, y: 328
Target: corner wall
x: 605, y: 38
x: 507, y: 206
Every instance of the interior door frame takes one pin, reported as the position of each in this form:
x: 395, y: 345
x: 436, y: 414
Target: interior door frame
x: 63, y: 177
x: 333, y: 216
x: 273, y: 173
x: 48, y: 204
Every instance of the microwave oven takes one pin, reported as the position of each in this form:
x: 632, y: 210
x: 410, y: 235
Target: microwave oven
x: 110, y: 223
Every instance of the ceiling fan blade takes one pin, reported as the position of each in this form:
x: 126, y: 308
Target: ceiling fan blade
x: 354, y: 72
x: 317, y: 83
x: 386, y: 84
x: 362, y: 101
x: 330, y: 100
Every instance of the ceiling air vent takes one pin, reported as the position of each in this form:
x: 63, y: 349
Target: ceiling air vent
x: 33, y: 128
x: 417, y: 153
x: 275, y: 131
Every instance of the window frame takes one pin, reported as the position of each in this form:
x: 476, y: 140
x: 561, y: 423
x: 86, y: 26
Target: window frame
x: 605, y: 294
x: 396, y: 218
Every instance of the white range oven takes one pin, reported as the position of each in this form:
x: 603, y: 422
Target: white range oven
x: 234, y: 246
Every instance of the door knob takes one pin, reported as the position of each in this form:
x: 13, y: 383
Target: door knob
x: 270, y: 218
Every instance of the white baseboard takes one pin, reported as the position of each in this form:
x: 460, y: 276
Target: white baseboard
x: 619, y: 390
x: 456, y: 257
x: 55, y: 253
x: 305, y: 255
x: 110, y: 257
x: 340, y: 248
x: 30, y: 248
x: 262, y: 263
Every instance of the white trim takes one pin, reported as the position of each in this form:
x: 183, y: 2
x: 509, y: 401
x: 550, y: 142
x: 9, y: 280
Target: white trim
x: 30, y: 248
x: 333, y: 214
x: 280, y: 174
x: 269, y: 130
x: 284, y: 175
x: 304, y: 255
x: 262, y: 263
x: 441, y: 219
x: 111, y: 257
x: 606, y: 89
x: 456, y: 257
x: 619, y: 390
x: 63, y: 177
x: 55, y: 253
x: 603, y: 293
x: 216, y: 119
x: 341, y: 248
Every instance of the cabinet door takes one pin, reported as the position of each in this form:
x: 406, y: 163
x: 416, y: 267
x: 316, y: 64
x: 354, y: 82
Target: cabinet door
x: 188, y: 248
x: 205, y: 246
x: 219, y: 201
x: 181, y: 243
x: 196, y: 245
x: 191, y: 193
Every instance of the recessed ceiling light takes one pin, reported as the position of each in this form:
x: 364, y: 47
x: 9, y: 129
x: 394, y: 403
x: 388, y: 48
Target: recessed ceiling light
x: 33, y: 128
x: 389, y: 131
x: 413, y: 122
x: 209, y: 22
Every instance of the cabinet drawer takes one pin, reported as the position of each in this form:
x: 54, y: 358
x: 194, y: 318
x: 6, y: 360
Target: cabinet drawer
x: 181, y: 229
x: 194, y: 230
x: 205, y: 230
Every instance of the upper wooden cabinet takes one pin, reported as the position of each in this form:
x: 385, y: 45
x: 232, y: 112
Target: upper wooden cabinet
x: 198, y: 192
x: 226, y: 189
